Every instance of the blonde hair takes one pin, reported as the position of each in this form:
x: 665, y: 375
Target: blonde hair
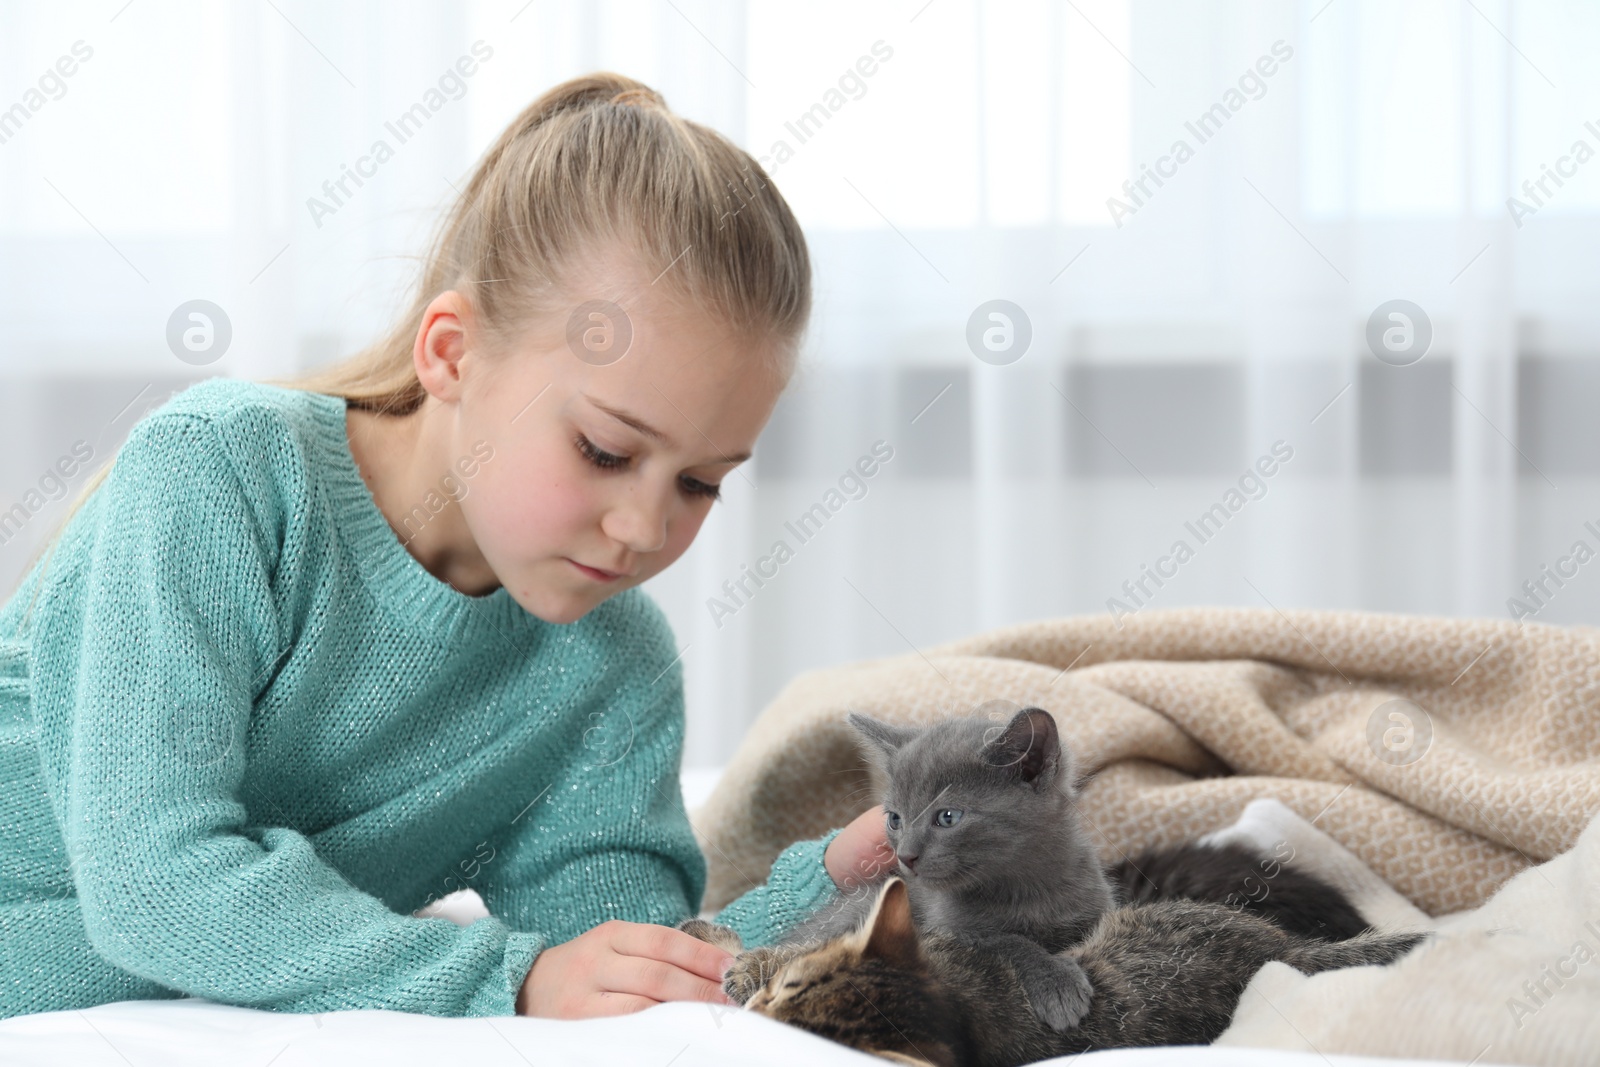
x: 597, y: 161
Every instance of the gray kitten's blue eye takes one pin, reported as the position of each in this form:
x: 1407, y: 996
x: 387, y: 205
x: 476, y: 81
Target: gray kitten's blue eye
x: 947, y: 817
x: 893, y: 819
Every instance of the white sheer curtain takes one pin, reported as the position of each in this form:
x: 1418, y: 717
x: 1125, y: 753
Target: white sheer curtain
x: 1339, y: 155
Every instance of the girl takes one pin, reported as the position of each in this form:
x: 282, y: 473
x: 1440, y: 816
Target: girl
x: 312, y: 654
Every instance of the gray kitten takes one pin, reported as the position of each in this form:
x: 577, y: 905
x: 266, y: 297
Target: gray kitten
x: 987, y: 835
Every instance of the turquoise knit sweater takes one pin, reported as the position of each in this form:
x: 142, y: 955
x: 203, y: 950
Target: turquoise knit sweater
x: 244, y: 735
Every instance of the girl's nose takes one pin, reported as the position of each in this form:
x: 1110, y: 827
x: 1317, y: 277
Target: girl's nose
x: 639, y: 521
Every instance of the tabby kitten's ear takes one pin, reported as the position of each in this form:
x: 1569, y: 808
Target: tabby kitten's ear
x: 890, y: 934
x: 881, y: 736
x: 1029, y: 747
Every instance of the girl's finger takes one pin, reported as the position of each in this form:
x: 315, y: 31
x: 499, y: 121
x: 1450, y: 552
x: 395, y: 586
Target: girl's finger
x: 672, y: 947
x: 653, y: 979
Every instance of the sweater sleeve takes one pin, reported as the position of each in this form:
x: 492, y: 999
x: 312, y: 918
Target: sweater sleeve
x: 797, y: 886
x: 145, y: 746
x: 610, y: 838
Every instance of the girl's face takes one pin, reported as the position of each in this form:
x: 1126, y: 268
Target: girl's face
x: 600, y: 475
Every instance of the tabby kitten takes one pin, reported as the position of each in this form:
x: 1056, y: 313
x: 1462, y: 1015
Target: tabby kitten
x: 985, y: 826
x: 1164, y: 973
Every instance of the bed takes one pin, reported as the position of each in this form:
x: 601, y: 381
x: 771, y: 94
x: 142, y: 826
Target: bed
x: 183, y: 1032
x: 1485, y: 822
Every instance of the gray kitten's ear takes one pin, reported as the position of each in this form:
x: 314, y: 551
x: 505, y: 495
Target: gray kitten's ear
x: 884, y: 737
x: 1029, y: 747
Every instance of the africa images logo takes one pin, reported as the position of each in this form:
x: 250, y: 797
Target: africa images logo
x: 1252, y: 85
x: 405, y: 126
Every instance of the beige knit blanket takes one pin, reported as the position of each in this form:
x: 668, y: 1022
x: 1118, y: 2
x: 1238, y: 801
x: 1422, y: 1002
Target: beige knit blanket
x: 1448, y: 754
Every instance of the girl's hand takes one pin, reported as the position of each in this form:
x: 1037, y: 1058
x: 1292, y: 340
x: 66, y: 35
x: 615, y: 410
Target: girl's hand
x: 621, y: 967
x: 861, y: 852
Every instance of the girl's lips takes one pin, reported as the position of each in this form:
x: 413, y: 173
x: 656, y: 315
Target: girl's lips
x: 594, y: 572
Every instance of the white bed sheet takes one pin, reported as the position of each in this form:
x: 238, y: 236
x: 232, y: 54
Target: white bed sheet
x: 192, y: 1033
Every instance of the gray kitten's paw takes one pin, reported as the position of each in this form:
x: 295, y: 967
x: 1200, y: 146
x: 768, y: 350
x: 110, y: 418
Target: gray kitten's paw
x: 712, y: 934
x: 1059, y: 995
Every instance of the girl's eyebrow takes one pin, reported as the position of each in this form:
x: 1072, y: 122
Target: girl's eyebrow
x: 630, y: 420
x: 650, y: 431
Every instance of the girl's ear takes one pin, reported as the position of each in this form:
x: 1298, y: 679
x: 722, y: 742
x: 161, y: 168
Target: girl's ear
x: 441, y: 343
x: 883, y: 737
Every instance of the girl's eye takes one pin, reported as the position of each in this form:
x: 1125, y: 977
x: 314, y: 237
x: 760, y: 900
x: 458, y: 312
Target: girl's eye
x: 947, y: 817
x: 695, y: 487
x: 893, y: 819
x: 610, y: 461
x: 599, y: 456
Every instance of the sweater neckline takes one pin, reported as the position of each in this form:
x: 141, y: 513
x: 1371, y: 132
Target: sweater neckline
x: 411, y: 596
